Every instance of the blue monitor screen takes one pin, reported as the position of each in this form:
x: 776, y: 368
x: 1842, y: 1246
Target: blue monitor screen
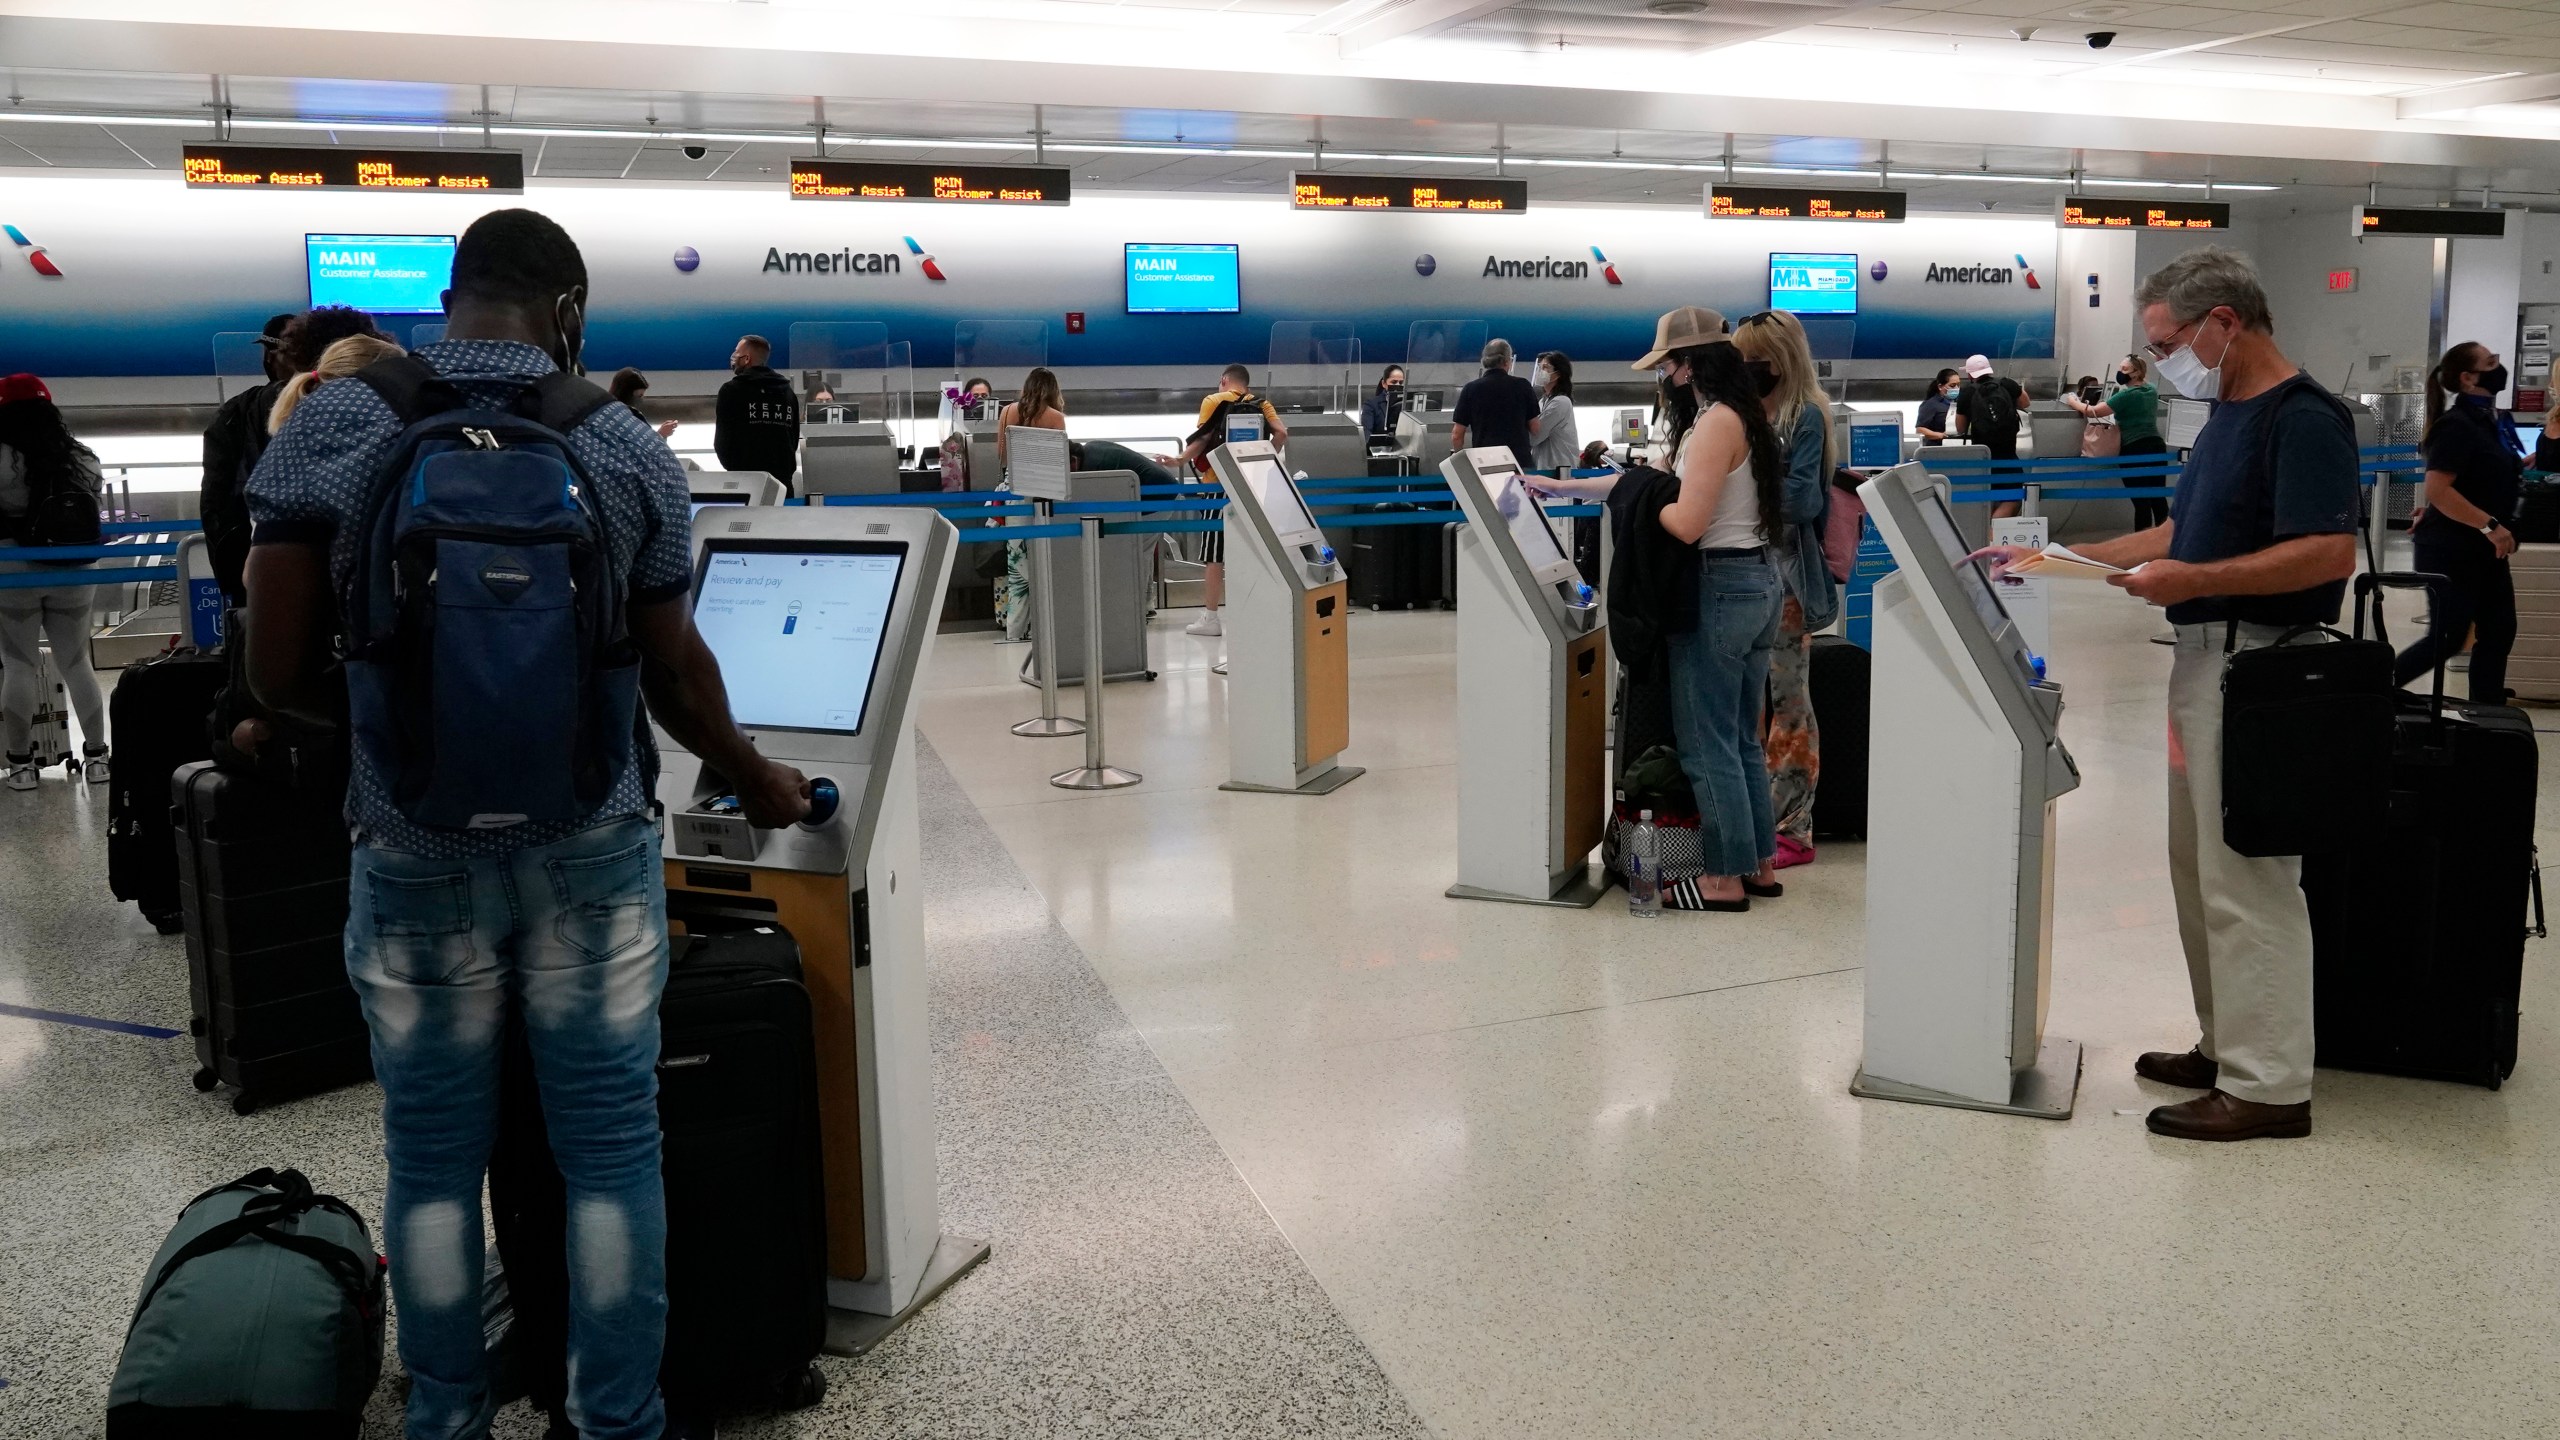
x: 1814, y: 284
x: 1184, y: 280
x: 380, y: 274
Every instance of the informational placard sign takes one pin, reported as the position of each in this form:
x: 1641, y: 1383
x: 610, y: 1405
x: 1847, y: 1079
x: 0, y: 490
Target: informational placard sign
x: 1875, y: 441
x: 2181, y: 421
x: 1334, y: 190
x: 1772, y: 202
x: 966, y: 183
x: 1035, y: 462
x: 2024, y: 595
x: 351, y: 167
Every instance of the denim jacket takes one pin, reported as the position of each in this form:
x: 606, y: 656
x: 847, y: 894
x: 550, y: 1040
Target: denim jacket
x: 1805, y: 501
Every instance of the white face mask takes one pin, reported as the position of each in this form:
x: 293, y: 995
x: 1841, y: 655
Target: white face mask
x: 2185, y: 369
x: 1538, y: 377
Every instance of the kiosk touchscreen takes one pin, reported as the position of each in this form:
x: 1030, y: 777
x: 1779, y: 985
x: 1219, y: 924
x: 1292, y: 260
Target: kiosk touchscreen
x: 1965, y: 761
x: 1533, y: 708
x: 732, y: 487
x: 1288, y: 638
x: 821, y: 618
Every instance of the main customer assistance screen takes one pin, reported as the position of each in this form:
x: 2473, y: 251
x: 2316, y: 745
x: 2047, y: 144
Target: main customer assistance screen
x: 798, y: 632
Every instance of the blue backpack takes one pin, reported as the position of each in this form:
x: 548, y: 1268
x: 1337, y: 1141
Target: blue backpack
x: 490, y: 676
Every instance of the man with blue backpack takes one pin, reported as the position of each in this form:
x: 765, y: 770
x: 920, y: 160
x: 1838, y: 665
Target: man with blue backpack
x: 501, y: 557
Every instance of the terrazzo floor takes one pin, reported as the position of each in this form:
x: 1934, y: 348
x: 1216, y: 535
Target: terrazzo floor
x: 1136, y: 1286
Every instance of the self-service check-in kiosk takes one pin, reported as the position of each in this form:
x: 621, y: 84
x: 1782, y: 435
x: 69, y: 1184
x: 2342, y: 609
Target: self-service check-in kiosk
x: 1327, y: 446
x: 1423, y: 436
x: 1533, y: 708
x: 848, y: 457
x: 732, y: 487
x: 821, y: 618
x: 1288, y: 633
x: 1965, y: 762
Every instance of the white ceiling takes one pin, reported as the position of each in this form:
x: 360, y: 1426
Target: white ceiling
x: 1591, y: 100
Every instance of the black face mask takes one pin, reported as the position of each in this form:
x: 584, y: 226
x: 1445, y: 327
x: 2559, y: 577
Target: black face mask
x: 1764, y: 379
x: 2124, y: 377
x: 2493, y: 379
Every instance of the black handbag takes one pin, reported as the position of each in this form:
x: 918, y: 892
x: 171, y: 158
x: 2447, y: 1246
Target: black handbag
x: 2306, y: 734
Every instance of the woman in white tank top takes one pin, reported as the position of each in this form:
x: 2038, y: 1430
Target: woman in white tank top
x: 1730, y: 468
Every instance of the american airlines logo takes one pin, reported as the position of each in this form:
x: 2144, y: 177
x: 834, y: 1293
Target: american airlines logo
x: 37, y: 260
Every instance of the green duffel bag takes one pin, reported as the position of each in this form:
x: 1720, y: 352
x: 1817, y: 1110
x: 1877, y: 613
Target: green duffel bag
x: 261, y: 1315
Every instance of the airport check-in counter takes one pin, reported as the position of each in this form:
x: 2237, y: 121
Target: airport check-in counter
x: 850, y: 458
x: 1288, y: 619
x: 1326, y: 446
x: 1965, y: 763
x: 1422, y: 436
x: 1533, y: 708
x: 821, y: 618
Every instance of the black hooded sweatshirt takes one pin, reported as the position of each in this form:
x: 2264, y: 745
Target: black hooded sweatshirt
x: 758, y: 424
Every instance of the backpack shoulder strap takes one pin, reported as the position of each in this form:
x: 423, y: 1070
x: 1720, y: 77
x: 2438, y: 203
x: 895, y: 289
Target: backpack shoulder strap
x: 411, y: 387
x: 560, y: 402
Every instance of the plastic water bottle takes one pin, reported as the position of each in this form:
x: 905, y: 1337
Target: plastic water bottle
x: 1644, y: 881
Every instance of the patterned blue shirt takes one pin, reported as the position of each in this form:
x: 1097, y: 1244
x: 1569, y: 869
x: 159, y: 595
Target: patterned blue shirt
x: 315, y: 482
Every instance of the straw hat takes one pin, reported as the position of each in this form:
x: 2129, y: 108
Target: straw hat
x: 1686, y: 326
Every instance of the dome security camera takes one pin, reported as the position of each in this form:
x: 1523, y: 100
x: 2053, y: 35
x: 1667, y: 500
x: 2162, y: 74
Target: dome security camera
x: 695, y: 152
x: 2101, y: 39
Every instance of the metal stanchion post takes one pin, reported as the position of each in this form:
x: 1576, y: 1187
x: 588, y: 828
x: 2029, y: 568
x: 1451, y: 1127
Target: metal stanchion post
x: 1044, y: 638
x: 1095, y: 773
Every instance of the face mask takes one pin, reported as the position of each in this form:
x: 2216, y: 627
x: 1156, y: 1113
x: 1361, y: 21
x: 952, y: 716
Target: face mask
x: 1953, y: 390
x: 2186, y: 369
x: 2124, y: 377
x: 1764, y: 378
x: 1538, y: 377
x: 2493, y: 379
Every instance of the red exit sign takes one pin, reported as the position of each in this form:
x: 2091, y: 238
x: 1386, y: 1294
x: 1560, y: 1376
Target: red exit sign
x: 2341, y: 281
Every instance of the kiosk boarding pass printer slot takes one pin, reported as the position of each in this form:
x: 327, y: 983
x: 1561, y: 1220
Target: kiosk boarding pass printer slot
x: 1965, y: 762
x: 821, y: 618
x: 1533, y: 686
x: 1288, y: 636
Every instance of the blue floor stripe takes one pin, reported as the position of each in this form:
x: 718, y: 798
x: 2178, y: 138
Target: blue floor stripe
x: 121, y: 1027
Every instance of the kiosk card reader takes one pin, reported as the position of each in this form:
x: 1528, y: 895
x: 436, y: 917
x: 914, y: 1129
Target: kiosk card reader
x: 1288, y: 636
x: 1965, y: 763
x: 1533, y: 708
x: 821, y: 618
x: 732, y: 487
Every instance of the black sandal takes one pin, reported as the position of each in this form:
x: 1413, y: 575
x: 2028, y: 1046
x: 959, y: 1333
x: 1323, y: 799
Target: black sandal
x: 1770, y: 891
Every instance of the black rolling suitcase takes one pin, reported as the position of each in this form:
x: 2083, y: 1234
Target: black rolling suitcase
x: 1839, y: 677
x: 746, y: 1203
x: 2417, y: 933
x: 1395, y: 567
x: 157, y: 713
x: 262, y: 882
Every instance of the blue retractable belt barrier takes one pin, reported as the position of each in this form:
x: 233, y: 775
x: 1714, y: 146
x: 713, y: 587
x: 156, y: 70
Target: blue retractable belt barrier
x: 86, y: 575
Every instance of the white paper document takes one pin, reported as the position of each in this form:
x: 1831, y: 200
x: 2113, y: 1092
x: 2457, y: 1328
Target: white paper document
x: 2063, y: 563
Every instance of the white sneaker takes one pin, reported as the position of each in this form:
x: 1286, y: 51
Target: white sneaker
x: 95, y: 769
x: 22, y: 775
x: 1207, y: 624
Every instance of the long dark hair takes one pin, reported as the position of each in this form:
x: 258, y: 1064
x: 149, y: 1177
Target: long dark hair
x: 1560, y: 366
x: 1717, y: 377
x: 34, y: 428
x: 1039, y: 396
x: 2441, y: 384
x: 1940, y: 383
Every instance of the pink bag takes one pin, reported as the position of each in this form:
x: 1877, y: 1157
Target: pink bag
x: 2100, y: 440
x: 1840, y: 529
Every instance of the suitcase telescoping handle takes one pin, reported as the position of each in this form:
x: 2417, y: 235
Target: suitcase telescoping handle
x: 2369, y: 587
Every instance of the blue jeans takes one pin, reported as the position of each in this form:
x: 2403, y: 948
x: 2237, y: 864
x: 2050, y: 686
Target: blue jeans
x: 571, y: 936
x: 1719, y: 685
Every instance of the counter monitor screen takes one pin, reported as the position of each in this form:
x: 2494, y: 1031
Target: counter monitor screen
x: 1771, y: 202
x: 2108, y: 212
x: 1279, y: 499
x: 798, y: 627
x: 1184, y: 279
x: 1334, y: 190
x: 380, y: 274
x: 351, y: 167
x: 1813, y: 284
x: 965, y: 183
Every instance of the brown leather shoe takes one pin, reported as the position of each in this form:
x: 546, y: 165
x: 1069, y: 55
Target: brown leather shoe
x: 2190, y: 1071
x: 2218, y: 1116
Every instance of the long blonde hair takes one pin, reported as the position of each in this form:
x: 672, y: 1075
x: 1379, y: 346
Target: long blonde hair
x: 339, y: 361
x: 1777, y: 337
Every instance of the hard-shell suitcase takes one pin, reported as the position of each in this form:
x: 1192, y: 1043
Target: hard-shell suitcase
x: 157, y: 713
x: 49, y: 734
x: 1839, y: 677
x: 746, y: 1203
x: 2417, y: 932
x: 1393, y: 567
x: 262, y: 883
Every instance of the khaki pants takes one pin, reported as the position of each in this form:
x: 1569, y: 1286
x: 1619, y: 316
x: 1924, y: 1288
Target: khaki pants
x: 2242, y: 922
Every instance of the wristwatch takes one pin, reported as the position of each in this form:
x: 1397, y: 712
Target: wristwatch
x: 2490, y: 529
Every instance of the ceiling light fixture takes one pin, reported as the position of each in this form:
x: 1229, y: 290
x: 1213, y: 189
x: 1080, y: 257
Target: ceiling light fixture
x: 1674, y: 9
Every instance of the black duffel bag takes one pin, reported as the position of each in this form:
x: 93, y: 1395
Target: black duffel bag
x: 2306, y: 735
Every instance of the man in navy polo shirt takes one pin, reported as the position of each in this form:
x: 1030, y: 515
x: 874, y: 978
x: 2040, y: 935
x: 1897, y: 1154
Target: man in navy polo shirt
x: 2261, y: 538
